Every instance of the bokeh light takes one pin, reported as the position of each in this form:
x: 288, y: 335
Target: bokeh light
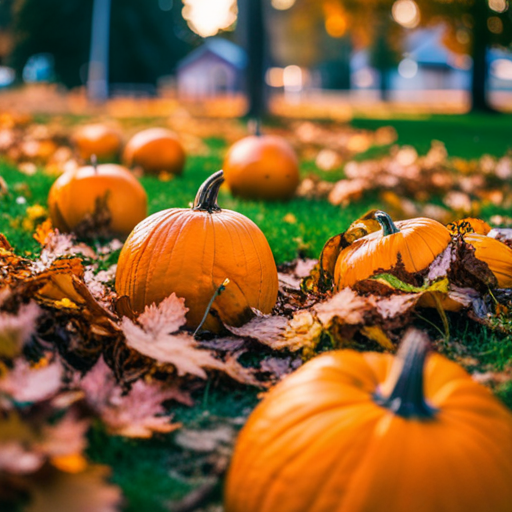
x: 208, y: 17
x: 502, y: 69
x: 498, y: 5
x: 282, y: 5
x: 406, y: 13
x: 408, y: 68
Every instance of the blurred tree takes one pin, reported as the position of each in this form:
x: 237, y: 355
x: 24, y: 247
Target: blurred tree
x: 146, y: 39
x: 6, y: 36
x: 368, y: 23
x: 473, y: 26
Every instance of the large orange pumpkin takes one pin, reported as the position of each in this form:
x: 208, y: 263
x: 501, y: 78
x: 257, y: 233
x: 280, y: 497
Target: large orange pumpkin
x: 368, y: 432
x: 155, y: 150
x: 496, y: 254
x: 97, y: 139
x: 417, y: 241
x: 76, y: 194
x: 262, y: 167
x: 191, y: 252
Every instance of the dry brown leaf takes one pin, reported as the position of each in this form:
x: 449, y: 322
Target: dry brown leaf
x: 138, y: 413
x: 264, y: 328
x: 87, y: 491
x: 346, y: 306
x: 206, y: 441
x: 27, y: 384
x: 16, y: 330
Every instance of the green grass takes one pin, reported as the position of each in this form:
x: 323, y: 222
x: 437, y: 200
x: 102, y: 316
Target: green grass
x: 466, y: 136
x: 153, y: 472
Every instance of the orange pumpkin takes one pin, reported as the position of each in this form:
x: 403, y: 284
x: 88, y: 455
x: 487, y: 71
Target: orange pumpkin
x: 368, y: 432
x: 262, y: 167
x: 496, y: 254
x: 99, y: 140
x: 418, y: 242
x: 75, y: 195
x: 155, y: 150
x: 191, y: 252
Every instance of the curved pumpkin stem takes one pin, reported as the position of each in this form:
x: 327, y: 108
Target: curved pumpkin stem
x: 403, y: 393
x: 388, y: 226
x: 206, y: 198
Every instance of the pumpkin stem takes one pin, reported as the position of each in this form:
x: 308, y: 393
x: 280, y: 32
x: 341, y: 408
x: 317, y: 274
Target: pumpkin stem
x: 402, y: 393
x: 206, y: 198
x: 388, y: 226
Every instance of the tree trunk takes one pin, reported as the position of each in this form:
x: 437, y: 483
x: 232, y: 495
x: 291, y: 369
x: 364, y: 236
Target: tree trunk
x: 256, y: 47
x: 480, y: 72
x: 97, y: 80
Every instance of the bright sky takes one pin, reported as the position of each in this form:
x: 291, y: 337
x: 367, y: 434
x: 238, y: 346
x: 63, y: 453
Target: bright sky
x: 207, y: 17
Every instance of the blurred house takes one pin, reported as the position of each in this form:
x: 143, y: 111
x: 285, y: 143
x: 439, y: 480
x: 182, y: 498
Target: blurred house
x: 428, y: 65
x: 215, y: 68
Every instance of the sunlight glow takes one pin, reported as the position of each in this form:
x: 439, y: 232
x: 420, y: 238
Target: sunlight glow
x: 282, y: 5
x: 208, y: 17
x: 406, y: 13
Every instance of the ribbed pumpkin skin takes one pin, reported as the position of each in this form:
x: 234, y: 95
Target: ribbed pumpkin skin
x: 318, y: 443
x: 419, y: 242
x: 191, y: 253
x: 73, y: 196
x: 496, y: 254
x: 99, y: 140
x: 262, y: 167
x: 155, y: 150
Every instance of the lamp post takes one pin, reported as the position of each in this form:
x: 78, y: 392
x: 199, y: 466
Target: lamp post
x: 97, y: 78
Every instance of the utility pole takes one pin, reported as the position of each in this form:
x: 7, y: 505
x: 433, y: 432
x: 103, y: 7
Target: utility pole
x: 256, y: 39
x: 97, y: 79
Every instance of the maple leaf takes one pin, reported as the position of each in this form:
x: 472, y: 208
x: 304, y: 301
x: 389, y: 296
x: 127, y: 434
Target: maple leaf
x: 16, y: 330
x: 264, y: 328
x: 27, y: 384
x: 154, y: 338
x: 346, y: 306
x: 137, y: 413
x: 165, y: 318
x: 86, y: 491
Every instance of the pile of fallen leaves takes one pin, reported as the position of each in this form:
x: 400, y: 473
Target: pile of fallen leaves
x: 72, y: 352
x: 409, y: 184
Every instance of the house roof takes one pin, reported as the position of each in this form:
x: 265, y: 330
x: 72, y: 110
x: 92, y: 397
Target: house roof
x: 426, y: 47
x: 222, y: 48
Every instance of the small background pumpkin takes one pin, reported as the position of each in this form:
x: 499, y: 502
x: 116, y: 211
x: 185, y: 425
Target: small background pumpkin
x: 191, y: 252
x: 76, y: 194
x: 361, y: 432
x: 98, y: 139
x: 262, y: 167
x: 155, y: 150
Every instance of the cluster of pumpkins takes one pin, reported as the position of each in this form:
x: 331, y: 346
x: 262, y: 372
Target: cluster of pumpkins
x: 269, y: 161
x: 349, y: 431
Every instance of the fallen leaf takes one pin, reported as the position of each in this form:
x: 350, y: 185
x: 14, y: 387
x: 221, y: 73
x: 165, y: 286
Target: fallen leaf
x: 26, y: 384
x: 87, y: 491
x: 138, y: 413
x: 16, y: 330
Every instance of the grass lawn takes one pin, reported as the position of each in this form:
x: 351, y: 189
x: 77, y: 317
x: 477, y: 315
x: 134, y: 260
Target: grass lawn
x: 157, y: 471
